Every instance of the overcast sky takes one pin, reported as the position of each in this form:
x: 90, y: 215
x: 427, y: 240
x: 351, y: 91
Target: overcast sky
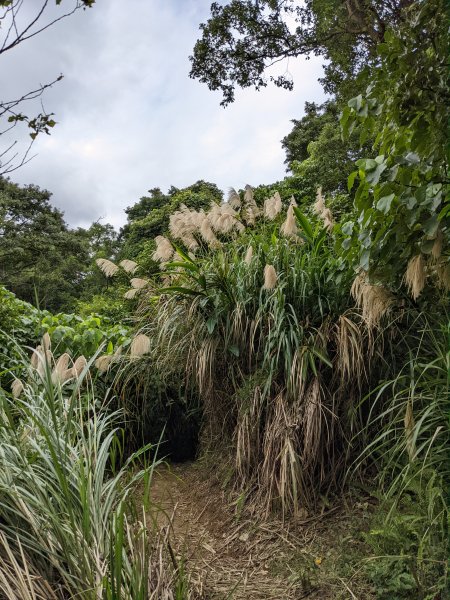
x: 130, y: 118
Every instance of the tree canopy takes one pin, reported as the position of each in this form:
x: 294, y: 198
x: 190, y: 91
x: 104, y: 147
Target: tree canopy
x: 243, y: 38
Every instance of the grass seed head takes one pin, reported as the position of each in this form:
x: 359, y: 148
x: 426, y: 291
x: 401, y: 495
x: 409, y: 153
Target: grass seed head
x: 129, y: 266
x: 104, y: 362
x: 107, y: 267
x: 138, y: 284
x: 289, y: 227
x: 415, y: 275
x: 16, y: 388
x: 248, y: 255
x: 234, y: 199
x: 164, y: 249
x: 140, y: 345
x: 270, y: 277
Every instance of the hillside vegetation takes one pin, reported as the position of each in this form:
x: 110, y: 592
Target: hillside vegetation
x: 292, y: 339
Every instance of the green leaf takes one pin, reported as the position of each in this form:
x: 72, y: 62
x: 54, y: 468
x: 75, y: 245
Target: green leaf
x: 304, y: 223
x: 384, y: 203
x: 351, y: 180
x: 211, y: 324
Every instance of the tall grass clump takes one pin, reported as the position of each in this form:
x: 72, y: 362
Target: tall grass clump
x: 407, y: 441
x: 68, y: 525
x: 277, y: 350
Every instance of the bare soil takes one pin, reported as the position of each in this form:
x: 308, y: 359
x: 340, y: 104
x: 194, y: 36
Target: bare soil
x: 234, y: 557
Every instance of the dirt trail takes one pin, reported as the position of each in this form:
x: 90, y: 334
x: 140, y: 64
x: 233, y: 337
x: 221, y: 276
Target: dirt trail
x: 227, y: 558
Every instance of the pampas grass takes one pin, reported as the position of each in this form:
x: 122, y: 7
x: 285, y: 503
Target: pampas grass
x: 272, y: 206
x: 16, y: 388
x: 129, y: 266
x: 61, y: 372
x: 138, y: 283
x: 104, y: 362
x: 130, y: 294
x: 415, y: 275
x: 374, y: 300
x: 78, y: 366
x: 289, y: 228
x: 140, y: 345
x: 234, y: 199
x: 270, y: 277
x: 250, y: 210
x: 248, y: 255
x: 107, y: 266
x: 164, y: 249
x: 322, y: 211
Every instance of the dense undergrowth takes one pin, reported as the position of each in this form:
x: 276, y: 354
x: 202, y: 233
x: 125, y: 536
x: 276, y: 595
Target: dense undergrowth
x: 299, y: 349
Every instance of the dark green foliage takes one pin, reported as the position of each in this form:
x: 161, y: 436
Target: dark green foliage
x: 402, y: 189
x: 150, y: 217
x: 242, y: 38
x: 41, y: 258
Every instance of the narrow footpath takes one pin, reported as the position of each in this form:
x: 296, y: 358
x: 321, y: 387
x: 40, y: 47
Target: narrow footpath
x: 234, y: 558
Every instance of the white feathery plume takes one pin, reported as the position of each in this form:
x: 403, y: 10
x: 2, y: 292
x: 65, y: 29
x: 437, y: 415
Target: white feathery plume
x: 328, y: 220
x: 234, y: 199
x: 374, y: 300
x: 270, y: 277
x: 138, y: 284
x: 129, y: 266
x: 289, y: 227
x: 292, y: 202
x: 250, y: 210
x: 164, y: 249
x: 140, y: 345
x: 107, y: 266
x: 60, y: 371
x: 248, y: 255
x: 104, y: 362
x: 208, y: 234
x: 130, y: 294
x: 415, y: 275
x: 46, y: 341
x: 35, y: 357
x: 16, y: 388
x: 319, y: 204
x: 78, y: 366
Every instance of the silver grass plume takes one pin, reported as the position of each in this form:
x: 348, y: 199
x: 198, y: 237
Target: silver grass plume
x: 272, y: 206
x: 61, y: 370
x: 224, y: 219
x: 292, y: 202
x: 104, y: 362
x: 234, y: 199
x: 130, y: 294
x: 78, y: 366
x: 46, y: 342
x: 107, y: 266
x: 374, y: 300
x: 129, y: 266
x: 289, y: 227
x: 16, y: 388
x: 140, y: 345
x: 415, y: 275
x: 250, y: 210
x: 319, y: 204
x: 270, y: 277
x: 248, y: 255
x: 208, y: 234
x: 138, y: 283
x: 164, y: 249
x: 35, y: 357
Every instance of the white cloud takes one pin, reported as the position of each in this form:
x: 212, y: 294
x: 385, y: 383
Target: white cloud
x: 129, y: 118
